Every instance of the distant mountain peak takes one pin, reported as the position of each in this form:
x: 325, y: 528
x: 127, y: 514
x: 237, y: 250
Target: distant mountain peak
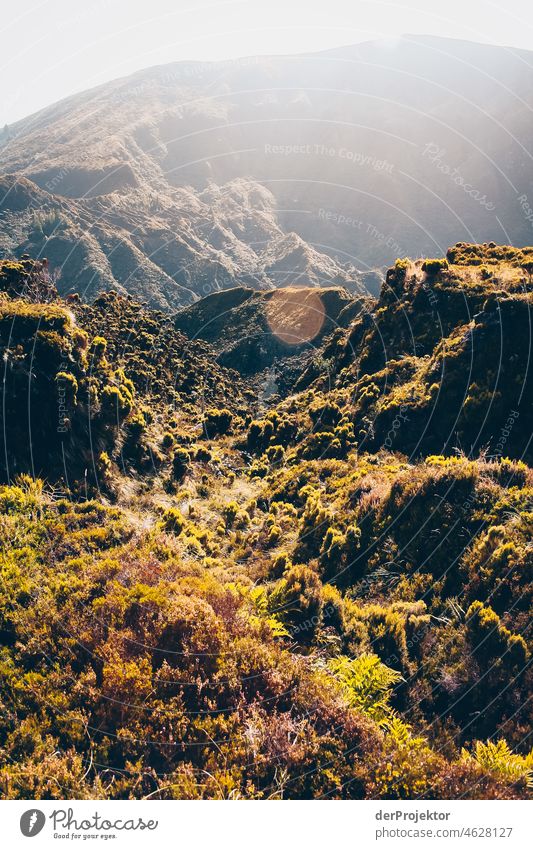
x: 321, y: 169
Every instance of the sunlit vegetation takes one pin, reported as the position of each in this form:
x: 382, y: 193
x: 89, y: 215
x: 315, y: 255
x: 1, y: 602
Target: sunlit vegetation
x: 328, y: 596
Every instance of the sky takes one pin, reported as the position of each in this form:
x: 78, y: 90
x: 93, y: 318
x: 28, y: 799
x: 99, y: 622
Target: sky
x: 54, y: 48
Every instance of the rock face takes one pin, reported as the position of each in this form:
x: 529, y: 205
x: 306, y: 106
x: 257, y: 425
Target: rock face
x: 190, y: 178
x: 167, y: 250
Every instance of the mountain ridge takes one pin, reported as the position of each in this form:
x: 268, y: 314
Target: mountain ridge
x: 400, y: 151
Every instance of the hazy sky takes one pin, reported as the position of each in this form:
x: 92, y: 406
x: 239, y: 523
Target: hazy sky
x: 53, y: 48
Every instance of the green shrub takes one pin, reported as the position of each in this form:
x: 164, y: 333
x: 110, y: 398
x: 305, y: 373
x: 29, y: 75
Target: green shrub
x: 297, y: 599
x: 136, y: 426
x: 229, y: 512
x: 173, y: 521
x: 180, y: 463
x: 490, y: 639
x: 339, y: 552
x: 217, y: 422
x: 203, y: 455
x: 116, y: 404
x: 325, y: 414
x: 498, y: 758
x: 259, y: 435
x: 313, y: 527
x: 98, y: 347
x: 433, y: 266
x: 68, y: 384
x: 168, y: 440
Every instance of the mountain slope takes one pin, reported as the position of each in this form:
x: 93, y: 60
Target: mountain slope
x: 164, y: 249
x: 253, y: 172
x: 313, y: 596
x: 251, y: 331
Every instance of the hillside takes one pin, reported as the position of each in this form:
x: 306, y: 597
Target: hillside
x: 321, y: 591
x: 254, y: 331
x: 319, y: 169
x: 166, y: 251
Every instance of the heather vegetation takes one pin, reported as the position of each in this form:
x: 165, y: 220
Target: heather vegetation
x: 213, y: 592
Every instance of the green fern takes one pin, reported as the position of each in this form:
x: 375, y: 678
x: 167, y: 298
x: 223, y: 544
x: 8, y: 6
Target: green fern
x: 259, y: 598
x: 367, y: 683
x: 498, y: 758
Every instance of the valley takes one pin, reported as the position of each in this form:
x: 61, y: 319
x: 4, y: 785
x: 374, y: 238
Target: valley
x: 274, y: 545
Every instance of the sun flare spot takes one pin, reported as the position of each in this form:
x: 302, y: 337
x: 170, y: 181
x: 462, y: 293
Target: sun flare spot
x: 295, y: 315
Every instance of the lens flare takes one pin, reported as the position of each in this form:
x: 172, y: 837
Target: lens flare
x: 295, y: 315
